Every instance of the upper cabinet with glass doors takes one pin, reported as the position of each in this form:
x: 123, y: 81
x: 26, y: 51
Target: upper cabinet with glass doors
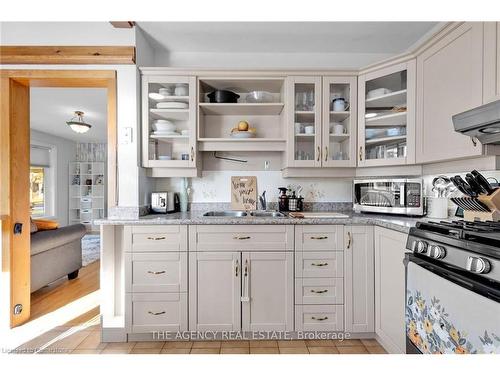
x: 386, y: 116
x: 304, y: 115
x: 169, y: 122
x: 339, y: 122
x: 321, y: 122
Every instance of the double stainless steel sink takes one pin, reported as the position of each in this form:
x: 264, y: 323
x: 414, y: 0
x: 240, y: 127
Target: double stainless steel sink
x: 244, y: 214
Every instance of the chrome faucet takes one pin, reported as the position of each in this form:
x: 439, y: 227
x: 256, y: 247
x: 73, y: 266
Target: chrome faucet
x: 262, y: 199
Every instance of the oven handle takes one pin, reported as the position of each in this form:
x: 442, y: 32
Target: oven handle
x: 476, y: 284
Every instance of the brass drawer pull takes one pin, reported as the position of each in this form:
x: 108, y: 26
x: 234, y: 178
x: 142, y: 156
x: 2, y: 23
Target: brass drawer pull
x: 156, y: 272
x: 319, y: 264
x: 319, y: 291
x: 156, y: 238
x: 241, y: 237
x: 156, y: 313
x: 319, y: 237
x: 319, y: 319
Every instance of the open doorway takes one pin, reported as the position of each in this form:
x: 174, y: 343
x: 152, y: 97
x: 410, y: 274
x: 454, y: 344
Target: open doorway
x: 67, y: 193
x: 23, y: 196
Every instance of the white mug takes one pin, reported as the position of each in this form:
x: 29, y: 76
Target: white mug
x: 337, y: 129
x: 339, y: 105
x: 309, y: 129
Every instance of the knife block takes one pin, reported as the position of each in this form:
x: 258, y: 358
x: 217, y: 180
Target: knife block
x: 492, y: 201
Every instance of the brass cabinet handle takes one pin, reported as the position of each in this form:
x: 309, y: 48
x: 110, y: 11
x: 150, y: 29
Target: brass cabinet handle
x: 349, y: 240
x: 241, y: 237
x: 236, y: 270
x: 319, y: 154
x: 156, y: 313
x: 319, y: 237
x: 156, y: 238
x: 319, y: 319
x: 326, y: 153
x: 319, y: 291
x: 246, y: 267
x: 156, y: 272
x: 319, y: 264
x: 192, y: 153
x: 361, y: 153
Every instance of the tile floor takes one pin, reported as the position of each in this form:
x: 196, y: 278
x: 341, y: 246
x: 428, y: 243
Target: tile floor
x: 86, y: 340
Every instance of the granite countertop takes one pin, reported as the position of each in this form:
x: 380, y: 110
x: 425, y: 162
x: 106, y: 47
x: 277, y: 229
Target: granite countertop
x: 398, y: 223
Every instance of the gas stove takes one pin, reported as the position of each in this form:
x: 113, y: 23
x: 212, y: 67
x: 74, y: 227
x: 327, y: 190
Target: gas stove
x: 471, y: 247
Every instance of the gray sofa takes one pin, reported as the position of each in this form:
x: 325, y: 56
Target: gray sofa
x: 56, y: 253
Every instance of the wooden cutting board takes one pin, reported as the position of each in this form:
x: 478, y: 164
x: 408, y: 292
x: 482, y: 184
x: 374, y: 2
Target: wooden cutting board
x: 244, y: 193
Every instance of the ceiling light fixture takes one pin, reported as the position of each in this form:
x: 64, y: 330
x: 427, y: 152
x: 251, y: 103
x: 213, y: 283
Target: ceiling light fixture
x: 77, y: 124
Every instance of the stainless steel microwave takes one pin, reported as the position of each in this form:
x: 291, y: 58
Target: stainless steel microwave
x: 402, y: 196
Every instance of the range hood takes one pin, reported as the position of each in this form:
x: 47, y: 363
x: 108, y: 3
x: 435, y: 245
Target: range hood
x: 482, y: 123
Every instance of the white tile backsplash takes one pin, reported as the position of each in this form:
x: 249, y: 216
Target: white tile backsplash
x: 214, y: 186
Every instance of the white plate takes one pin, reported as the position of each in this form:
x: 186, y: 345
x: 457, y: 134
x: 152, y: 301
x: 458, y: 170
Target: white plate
x: 172, y: 105
x: 242, y: 135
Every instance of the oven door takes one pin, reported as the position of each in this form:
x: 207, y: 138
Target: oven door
x: 448, y: 312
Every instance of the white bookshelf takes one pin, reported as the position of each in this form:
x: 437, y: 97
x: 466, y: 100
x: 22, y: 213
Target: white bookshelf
x: 87, y: 192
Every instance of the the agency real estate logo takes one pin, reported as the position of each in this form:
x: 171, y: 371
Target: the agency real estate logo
x: 255, y: 335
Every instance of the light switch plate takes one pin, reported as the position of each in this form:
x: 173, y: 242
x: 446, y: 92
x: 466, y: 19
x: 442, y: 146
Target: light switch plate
x: 126, y: 136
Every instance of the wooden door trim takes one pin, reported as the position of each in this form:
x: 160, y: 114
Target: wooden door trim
x: 14, y: 158
x: 67, y: 55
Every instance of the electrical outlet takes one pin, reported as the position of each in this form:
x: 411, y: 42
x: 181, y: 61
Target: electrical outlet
x: 267, y: 164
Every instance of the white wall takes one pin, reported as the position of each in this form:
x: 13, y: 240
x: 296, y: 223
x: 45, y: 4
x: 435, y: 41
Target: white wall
x: 65, y: 151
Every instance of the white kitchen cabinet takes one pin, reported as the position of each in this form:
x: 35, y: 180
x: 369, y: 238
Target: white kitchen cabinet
x: 386, y: 116
x: 267, y: 281
x: 449, y: 81
x: 359, y: 279
x: 173, y: 153
x: 304, y: 111
x: 390, y: 289
x: 491, y: 77
x: 215, y: 291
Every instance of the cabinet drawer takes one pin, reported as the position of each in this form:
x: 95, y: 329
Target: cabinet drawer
x: 148, y: 312
x: 319, y: 264
x: 319, y: 291
x: 156, y: 272
x: 319, y: 318
x: 156, y: 238
x: 241, y: 237
x: 319, y: 237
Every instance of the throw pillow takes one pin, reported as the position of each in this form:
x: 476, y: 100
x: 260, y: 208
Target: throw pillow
x: 43, y: 224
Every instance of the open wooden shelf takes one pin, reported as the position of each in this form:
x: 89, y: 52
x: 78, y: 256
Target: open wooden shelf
x: 169, y: 137
x: 241, y: 144
x: 233, y: 109
x: 391, y: 119
x: 393, y: 99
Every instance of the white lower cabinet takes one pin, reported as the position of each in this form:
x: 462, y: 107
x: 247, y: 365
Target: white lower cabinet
x: 156, y: 271
x: 310, y: 318
x: 359, y: 279
x: 233, y: 291
x: 268, y: 284
x: 390, y: 289
x: 215, y: 291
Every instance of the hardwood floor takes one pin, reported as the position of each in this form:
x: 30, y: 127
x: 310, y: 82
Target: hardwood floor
x: 64, y: 291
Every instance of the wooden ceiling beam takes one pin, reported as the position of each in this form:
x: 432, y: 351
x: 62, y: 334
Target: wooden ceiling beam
x: 78, y: 55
